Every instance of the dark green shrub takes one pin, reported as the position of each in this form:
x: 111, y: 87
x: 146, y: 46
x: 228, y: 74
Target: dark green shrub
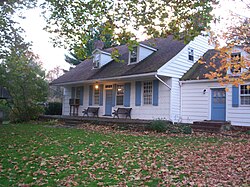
x: 158, y: 126
x: 169, y: 127
x: 54, y: 108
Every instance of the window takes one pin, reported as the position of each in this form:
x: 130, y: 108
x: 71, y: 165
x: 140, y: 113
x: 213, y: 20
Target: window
x: 119, y: 94
x: 190, y: 54
x: 235, y: 63
x: 78, y: 92
x: 133, y: 55
x: 96, y: 60
x: 245, y: 94
x: 147, y: 92
x: 96, y: 95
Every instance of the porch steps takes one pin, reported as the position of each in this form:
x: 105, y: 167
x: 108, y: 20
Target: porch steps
x: 209, y: 126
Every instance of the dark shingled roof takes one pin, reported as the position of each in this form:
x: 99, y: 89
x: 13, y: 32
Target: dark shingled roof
x: 167, y: 48
x: 198, y: 71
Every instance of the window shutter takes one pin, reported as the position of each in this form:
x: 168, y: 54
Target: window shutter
x: 101, y: 95
x: 113, y: 94
x: 138, y: 93
x: 81, y: 95
x: 73, y: 92
x: 155, y: 92
x: 235, y: 96
x: 127, y: 88
x: 90, y: 95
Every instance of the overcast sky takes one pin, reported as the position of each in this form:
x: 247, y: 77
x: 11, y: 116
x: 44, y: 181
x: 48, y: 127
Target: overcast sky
x: 53, y: 57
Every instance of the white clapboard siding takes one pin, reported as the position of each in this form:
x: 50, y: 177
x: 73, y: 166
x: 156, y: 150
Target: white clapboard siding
x: 66, y: 97
x: 162, y: 111
x: 237, y: 115
x: 180, y: 64
x: 175, y: 100
x: 197, y: 106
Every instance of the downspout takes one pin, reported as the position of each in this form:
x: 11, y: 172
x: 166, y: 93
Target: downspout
x: 180, y: 83
x: 162, y: 81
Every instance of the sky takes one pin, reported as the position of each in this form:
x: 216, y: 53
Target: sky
x: 33, y: 25
x: 54, y: 57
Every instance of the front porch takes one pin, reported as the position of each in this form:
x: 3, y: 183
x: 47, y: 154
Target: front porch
x: 123, y: 123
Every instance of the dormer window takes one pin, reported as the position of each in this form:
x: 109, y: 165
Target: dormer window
x: 96, y: 60
x: 235, y: 63
x: 191, y: 54
x: 134, y: 55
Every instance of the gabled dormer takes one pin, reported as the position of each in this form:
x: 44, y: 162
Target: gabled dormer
x: 100, y: 58
x: 237, y: 56
x: 140, y: 52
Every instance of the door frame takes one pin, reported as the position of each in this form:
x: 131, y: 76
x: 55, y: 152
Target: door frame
x: 210, y: 101
x: 105, y: 108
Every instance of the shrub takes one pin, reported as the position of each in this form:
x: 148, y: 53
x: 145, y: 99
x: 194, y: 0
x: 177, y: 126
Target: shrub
x: 168, y: 127
x: 158, y: 126
x: 54, y: 108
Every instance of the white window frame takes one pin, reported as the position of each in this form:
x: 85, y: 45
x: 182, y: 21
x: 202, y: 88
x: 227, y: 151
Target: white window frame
x: 137, y: 55
x: 96, y: 60
x: 244, y: 95
x: 150, y: 94
x: 238, y: 62
x: 95, y: 95
x: 191, y: 53
x: 117, y: 95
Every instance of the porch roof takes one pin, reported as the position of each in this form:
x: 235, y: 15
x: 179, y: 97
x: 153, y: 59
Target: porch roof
x: 167, y: 48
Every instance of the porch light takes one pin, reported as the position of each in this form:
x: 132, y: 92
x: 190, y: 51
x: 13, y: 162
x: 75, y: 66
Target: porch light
x: 119, y: 89
x: 96, y: 86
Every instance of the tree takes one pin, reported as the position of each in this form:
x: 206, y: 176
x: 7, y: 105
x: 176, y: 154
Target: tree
x: 22, y: 75
x: 237, y: 35
x: 9, y: 28
x: 73, y: 21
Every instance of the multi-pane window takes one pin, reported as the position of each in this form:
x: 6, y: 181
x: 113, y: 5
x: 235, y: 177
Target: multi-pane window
x: 96, y: 95
x: 119, y: 94
x: 245, y: 94
x: 235, y: 63
x: 96, y: 60
x: 133, y: 55
x: 190, y: 54
x: 78, y: 92
x: 147, y: 92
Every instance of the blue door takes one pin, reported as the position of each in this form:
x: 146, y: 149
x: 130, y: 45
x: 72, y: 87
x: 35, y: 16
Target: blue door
x: 108, y: 104
x: 218, y: 104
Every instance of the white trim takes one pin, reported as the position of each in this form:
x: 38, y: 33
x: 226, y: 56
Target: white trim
x: 106, y: 79
x: 137, y: 56
x: 244, y: 95
x: 198, y: 81
x: 148, y: 47
x: 100, y: 51
x: 169, y: 87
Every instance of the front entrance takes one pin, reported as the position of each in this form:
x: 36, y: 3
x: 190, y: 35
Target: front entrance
x: 218, y: 104
x: 108, y: 103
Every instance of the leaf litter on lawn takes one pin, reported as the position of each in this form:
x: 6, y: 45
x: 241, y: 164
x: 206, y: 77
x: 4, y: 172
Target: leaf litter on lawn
x: 105, y: 157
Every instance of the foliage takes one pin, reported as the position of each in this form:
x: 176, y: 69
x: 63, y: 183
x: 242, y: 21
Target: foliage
x: 34, y: 155
x: 237, y: 39
x: 73, y: 22
x: 9, y: 28
x: 53, y: 108
x: 5, y: 108
x: 168, y: 127
x: 22, y: 75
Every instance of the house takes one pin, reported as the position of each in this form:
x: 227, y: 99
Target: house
x: 146, y: 79
x: 204, y: 99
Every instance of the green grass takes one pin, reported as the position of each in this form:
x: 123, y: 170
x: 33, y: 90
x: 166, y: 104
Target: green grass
x: 39, y: 155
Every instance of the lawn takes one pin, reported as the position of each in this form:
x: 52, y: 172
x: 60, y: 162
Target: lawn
x: 32, y: 155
